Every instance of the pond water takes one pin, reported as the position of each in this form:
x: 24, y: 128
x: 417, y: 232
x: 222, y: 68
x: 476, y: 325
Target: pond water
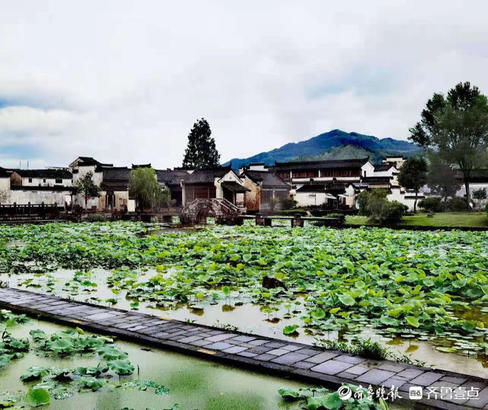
x: 192, y: 383
x: 245, y: 317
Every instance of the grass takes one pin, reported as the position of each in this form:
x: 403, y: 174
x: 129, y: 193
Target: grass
x: 453, y: 219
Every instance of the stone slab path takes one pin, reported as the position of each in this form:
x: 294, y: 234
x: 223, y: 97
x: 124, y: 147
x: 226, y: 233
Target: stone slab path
x: 440, y: 389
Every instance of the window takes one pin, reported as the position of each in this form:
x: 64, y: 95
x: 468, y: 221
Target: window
x: 43, y: 179
x: 30, y: 180
x: 305, y: 174
x: 59, y: 181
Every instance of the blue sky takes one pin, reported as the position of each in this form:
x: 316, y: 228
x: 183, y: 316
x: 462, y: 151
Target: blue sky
x: 124, y: 81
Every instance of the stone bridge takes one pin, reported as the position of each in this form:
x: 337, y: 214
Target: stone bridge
x: 197, y: 211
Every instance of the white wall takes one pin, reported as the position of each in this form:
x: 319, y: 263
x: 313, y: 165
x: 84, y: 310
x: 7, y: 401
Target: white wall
x: 400, y: 195
x: 367, y: 170
x: 310, y: 198
x: 83, y: 170
x: 229, y: 177
x: 26, y: 181
x: 23, y: 197
x: 474, y: 186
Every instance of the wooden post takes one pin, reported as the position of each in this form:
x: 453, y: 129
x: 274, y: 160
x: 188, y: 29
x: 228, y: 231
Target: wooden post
x: 268, y: 221
x: 259, y: 220
x: 297, y: 221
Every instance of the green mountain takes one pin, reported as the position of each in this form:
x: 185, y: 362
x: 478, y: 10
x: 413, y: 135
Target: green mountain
x: 333, y: 144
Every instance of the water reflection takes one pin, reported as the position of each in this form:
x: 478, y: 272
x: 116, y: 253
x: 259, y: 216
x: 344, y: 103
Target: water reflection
x: 239, y: 314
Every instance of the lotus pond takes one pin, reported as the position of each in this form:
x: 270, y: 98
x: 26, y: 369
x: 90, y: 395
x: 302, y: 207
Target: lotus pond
x: 424, y: 294
x: 63, y: 368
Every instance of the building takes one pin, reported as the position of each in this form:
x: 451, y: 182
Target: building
x: 265, y: 189
x: 397, y: 162
x: 172, y: 179
x: 51, y: 186
x: 220, y: 182
x: 114, y: 185
x: 301, y: 172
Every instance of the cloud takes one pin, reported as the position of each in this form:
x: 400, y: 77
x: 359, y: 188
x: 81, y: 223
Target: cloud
x: 124, y: 82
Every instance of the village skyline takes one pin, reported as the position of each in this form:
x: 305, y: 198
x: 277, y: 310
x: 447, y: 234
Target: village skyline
x: 263, y: 75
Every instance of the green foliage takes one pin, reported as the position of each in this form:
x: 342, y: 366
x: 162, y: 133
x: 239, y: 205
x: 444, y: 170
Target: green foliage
x: 201, y: 152
x: 380, y: 210
x: 456, y: 127
x: 366, y: 197
x: 324, y: 399
x: 441, y: 178
x: 290, y: 330
x: 87, y: 187
x: 358, y: 347
x: 413, y: 175
x: 121, y: 367
x: 479, y: 195
x: 457, y: 204
x: 372, y: 276
x: 431, y: 204
x: 34, y: 373
x: 144, y: 187
x: 37, y: 397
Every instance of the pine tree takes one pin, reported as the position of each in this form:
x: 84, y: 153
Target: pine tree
x: 201, y: 152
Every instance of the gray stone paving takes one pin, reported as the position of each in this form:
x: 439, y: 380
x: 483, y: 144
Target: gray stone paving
x: 294, y: 360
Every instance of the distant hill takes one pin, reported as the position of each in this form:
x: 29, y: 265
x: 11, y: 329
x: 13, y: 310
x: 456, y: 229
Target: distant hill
x: 333, y: 144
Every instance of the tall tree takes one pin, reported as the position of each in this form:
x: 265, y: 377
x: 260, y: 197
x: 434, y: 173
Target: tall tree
x: 413, y: 175
x: 201, y: 152
x: 87, y: 187
x: 456, y: 127
x: 441, y: 178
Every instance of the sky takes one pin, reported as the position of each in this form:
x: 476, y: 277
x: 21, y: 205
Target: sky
x: 124, y: 81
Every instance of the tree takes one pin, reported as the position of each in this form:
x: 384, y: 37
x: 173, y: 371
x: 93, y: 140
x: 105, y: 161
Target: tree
x: 378, y: 209
x: 479, y: 195
x: 456, y: 127
x: 87, y: 187
x: 413, y: 175
x: 442, y: 179
x: 201, y: 152
x: 144, y: 187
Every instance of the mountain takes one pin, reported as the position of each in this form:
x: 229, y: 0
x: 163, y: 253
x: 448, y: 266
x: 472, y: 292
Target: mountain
x: 333, y: 144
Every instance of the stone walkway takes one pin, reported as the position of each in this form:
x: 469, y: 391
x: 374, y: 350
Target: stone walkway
x: 289, y: 359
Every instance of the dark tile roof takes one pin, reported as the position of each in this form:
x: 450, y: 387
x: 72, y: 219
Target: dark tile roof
x: 234, y: 186
x: 326, y: 164
x: 135, y: 166
x: 5, y: 173
x: 477, y: 175
x: 115, y: 173
x: 383, y: 167
x: 312, y: 188
x: 171, y: 176
x: 44, y: 173
x: 376, y: 180
x: 205, y: 176
x: 268, y: 179
x: 57, y: 188
x: 90, y: 161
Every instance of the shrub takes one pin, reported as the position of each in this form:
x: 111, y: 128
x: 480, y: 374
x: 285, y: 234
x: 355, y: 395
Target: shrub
x: 96, y: 218
x: 335, y: 215
x: 385, y: 212
x: 365, y: 197
x: 457, y: 204
x: 431, y: 204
